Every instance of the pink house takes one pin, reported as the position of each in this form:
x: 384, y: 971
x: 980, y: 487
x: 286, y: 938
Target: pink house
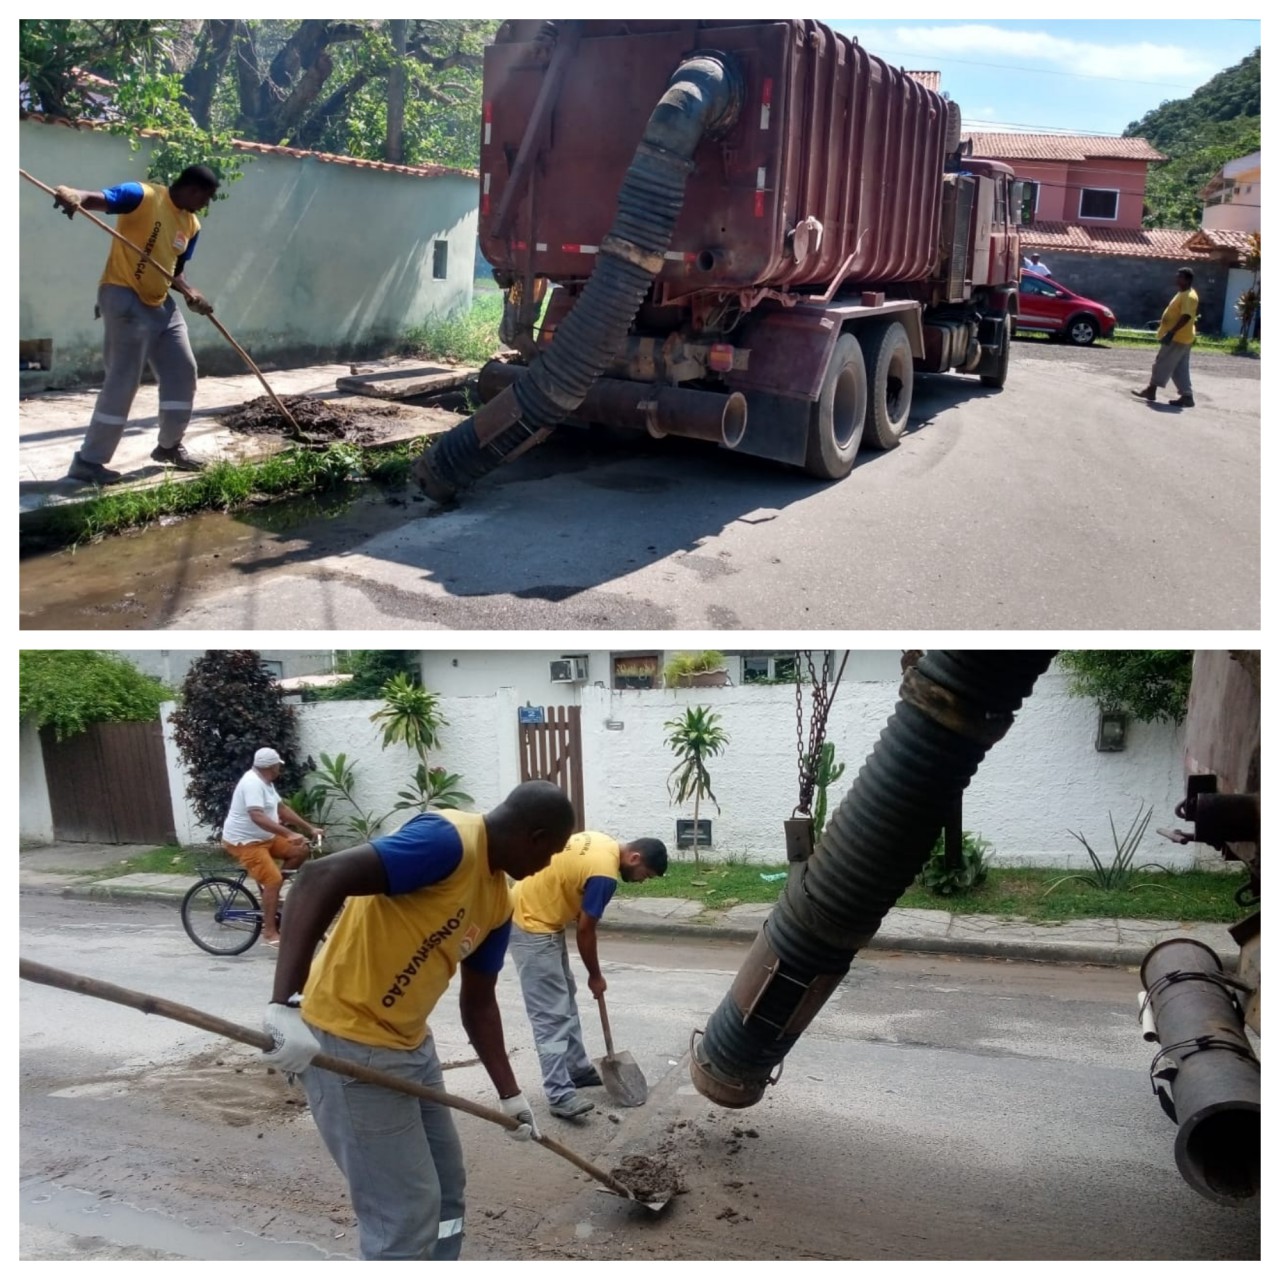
x: 1075, y: 179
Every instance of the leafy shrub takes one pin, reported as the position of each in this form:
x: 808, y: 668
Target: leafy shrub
x: 1147, y: 684
x: 230, y: 706
x: 434, y: 788
x: 70, y: 689
x: 410, y: 714
x: 947, y: 881
x: 370, y: 669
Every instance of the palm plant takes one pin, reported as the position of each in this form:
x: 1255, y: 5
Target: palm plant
x: 695, y: 737
x: 434, y: 788
x: 409, y: 714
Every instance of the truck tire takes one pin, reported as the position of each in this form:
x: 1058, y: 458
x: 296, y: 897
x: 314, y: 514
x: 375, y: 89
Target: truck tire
x: 891, y: 373
x: 996, y: 378
x: 837, y: 419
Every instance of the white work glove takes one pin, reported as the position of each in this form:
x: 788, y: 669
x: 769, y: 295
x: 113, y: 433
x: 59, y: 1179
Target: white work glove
x: 517, y: 1106
x: 295, y: 1045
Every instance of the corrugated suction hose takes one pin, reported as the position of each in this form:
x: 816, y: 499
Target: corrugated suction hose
x: 703, y: 98
x: 954, y: 706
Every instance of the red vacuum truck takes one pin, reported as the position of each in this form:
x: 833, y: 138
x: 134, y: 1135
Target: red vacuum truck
x: 753, y: 232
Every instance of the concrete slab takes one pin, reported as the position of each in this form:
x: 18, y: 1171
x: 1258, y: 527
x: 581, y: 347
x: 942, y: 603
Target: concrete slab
x: 144, y: 884
x: 77, y: 859
x: 400, y: 383
x: 658, y: 908
x: 1013, y: 928
x: 916, y: 922
x: 51, y: 426
x: 748, y: 913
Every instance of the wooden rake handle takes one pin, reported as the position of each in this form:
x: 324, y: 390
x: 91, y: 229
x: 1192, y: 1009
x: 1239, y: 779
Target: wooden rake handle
x: 217, y: 324
x: 47, y: 975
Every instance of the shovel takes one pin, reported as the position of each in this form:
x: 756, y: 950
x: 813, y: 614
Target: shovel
x: 34, y: 971
x: 623, y: 1080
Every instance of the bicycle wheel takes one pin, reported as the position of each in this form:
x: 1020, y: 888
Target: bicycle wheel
x: 221, y: 916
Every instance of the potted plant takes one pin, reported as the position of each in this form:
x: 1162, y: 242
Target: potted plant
x: 694, y: 737
x: 705, y: 670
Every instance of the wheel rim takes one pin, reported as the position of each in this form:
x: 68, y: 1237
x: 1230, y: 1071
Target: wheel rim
x: 1082, y: 332
x: 221, y: 918
x: 846, y: 412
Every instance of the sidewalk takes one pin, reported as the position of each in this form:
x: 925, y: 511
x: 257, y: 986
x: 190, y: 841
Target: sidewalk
x: 68, y: 870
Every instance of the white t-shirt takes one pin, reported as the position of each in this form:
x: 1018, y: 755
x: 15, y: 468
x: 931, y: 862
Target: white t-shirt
x: 253, y: 791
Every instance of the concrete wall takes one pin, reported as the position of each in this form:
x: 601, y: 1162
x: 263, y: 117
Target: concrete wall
x: 35, y: 818
x: 305, y: 261
x: 1044, y: 779
x: 1138, y: 289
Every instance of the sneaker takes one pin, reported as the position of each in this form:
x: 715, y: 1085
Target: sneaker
x: 588, y: 1079
x: 572, y: 1107
x: 1184, y: 402
x: 91, y: 472
x: 176, y: 457
x: 1147, y: 393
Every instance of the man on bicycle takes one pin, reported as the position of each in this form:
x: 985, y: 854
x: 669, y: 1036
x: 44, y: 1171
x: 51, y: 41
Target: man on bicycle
x: 254, y: 834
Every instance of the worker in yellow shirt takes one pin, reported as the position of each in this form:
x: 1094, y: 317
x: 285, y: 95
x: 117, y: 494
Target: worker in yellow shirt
x: 574, y: 887
x: 1176, y: 334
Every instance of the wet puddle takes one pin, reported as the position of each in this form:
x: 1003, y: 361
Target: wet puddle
x: 138, y: 581
x: 79, y: 1213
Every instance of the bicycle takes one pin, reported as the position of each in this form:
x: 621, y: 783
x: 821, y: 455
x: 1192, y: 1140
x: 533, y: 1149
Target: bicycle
x: 221, y: 915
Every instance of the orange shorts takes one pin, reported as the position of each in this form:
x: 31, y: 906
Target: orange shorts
x: 259, y: 859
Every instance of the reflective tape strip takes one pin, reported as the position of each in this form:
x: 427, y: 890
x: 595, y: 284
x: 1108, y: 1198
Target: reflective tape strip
x: 580, y: 248
x: 540, y: 247
x: 174, y: 404
x: 109, y: 419
x: 486, y: 183
x: 488, y: 132
x: 766, y: 100
x: 680, y: 257
x: 451, y: 1228
x: 760, y: 179
x: 553, y: 1046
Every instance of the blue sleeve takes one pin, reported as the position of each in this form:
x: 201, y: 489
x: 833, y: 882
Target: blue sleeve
x: 595, y: 897
x: 124, y: 198
x: 426, y: 850
x: 187, y: 254
x: 489, y: 955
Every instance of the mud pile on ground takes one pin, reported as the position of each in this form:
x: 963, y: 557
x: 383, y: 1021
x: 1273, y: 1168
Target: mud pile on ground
x: 321, y: 421
x: 649, y: 1177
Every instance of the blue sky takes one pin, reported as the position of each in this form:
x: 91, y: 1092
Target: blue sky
x: 1091, y: 76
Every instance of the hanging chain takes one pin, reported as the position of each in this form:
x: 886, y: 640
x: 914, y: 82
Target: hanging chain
x: 824, y: 692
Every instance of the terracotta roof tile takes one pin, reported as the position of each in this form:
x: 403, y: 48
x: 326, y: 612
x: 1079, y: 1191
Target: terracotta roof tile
x: 263, y: 148
x: 1059, y: 146
x: 1209, y: 238
x: 930, y: 79
x: 1046, y: 237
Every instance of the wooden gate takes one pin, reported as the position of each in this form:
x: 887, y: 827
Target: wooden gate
x: 553, y: 750
x: 109, y: 783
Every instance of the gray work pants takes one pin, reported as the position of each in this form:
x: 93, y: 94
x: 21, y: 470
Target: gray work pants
x: 542, y: 960
x: 1173, y: 360
x: 400, y: 1154
x: 133, y: 336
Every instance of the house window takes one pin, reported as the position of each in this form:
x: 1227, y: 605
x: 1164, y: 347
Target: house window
x: 1030, y: 200
x: 760, y: 668
x: 636, y: 671
x: 274, y: 669
x: 440, y: 260
x: 1096, y: 202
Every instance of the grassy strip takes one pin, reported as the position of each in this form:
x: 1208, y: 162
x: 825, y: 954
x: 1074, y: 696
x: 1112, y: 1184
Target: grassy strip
x: 229, y: 486
x: 469, y: 337
x: 1145, y: 340
x: 1183, y: 895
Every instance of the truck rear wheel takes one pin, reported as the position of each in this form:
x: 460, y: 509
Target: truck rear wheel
x: 891, y: 375
x: 1000, y: 370
x: 837, y: 419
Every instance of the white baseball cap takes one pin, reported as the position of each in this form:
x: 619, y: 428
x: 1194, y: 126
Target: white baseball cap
x: 265, y: 757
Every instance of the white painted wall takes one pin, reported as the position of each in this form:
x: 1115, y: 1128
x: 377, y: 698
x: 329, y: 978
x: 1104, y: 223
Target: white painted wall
x: 35, y: 818
x: 305, y: 260
x: 1044, y: 778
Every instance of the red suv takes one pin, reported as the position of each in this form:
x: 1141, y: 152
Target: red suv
x: 1048, y: 307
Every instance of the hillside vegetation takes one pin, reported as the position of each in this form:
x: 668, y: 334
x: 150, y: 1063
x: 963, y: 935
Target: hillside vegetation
x: 1220, y: 121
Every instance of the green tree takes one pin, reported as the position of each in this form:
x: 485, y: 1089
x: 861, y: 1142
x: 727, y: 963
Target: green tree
x: 70, y: 689
x: 230, y: 706
x: 1146, y: 684
x: 370, y: 669
x: 695, y: 737
x: 410, y: 714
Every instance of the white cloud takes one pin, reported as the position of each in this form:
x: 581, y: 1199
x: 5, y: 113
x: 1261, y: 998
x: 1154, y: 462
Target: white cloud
x: 978, y: 42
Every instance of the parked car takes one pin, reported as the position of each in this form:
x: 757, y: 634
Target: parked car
x: 1045, y: 306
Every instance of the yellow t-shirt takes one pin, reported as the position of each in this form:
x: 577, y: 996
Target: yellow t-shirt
x: 1185, y: 303
x: 551, y: 899
x: 163, y: 230
x: 390, y: 957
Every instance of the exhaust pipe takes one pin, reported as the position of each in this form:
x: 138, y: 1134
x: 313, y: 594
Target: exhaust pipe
x: 954, y: 707
x: 641, y: 406
x: 1211, y: 1083
x: 702, y: 99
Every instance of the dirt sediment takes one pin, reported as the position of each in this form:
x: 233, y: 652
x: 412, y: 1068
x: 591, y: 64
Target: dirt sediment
x: 318, y: 419
x: 649, y: 1177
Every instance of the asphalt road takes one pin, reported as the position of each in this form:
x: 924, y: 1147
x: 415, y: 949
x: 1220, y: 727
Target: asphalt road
x: 1059, y: 503
x: 938, y: 1109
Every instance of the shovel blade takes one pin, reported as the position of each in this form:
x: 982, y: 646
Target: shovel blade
x: 623, y: 1080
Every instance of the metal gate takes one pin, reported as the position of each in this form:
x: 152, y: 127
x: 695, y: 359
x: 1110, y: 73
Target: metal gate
x: 552, y: 750
x: 110, y: 784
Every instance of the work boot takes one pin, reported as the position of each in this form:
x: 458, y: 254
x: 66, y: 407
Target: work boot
x: 1184, y: 402
x: 176, y: 457
x: 572, y: 1107
x: 1147, y: 393
x: 588, y: 1079
x: 91, y: 472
